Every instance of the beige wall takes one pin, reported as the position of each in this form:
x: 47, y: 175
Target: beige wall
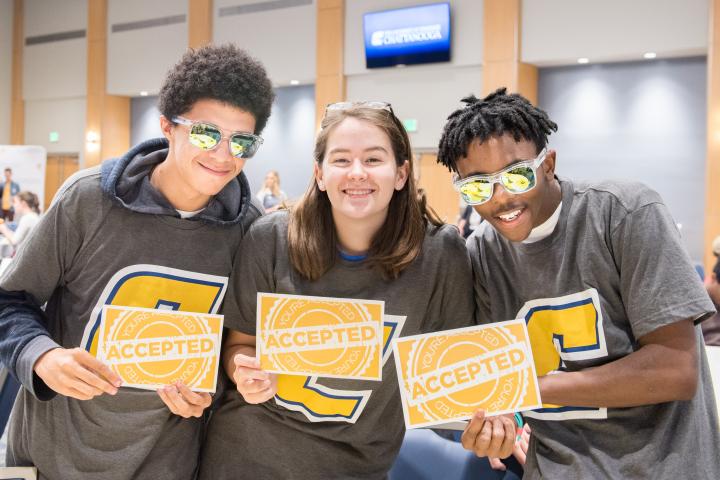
x: 6, y: 30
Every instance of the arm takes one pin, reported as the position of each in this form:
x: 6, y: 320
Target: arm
x: 28, y: 350
x: 663, y: 369
x: 255, y: 385
x: 662, y: 296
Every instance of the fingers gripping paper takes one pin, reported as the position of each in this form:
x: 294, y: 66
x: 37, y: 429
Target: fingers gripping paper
x: 151, y: 348
x: 328, y: 337
x: 447, y: 376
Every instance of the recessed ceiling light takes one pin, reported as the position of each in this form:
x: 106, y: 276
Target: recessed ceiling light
x: 144, y: 93
x: 294, y: 82
x: 583, y: 60
x: 650, y: 55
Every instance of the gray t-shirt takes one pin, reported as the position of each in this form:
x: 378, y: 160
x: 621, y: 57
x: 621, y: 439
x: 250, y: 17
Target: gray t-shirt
x: 86, y: 251
x: 330, y: 428
x: 613, y: 270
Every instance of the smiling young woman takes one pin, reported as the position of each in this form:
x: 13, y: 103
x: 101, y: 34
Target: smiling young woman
x: 376, y: 137
x: 360, y: 231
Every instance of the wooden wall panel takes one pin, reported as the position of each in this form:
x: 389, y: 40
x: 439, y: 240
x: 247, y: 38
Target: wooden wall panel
x: 200, y: 17
x: 57, y: 170
x: 17, y: 107
x: 107, y: 116
x: 330, y: 78
x: 501, y: 50
x: 712, y: 175
x: 436, y: 180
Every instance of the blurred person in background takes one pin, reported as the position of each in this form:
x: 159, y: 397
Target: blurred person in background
x: 27, y: 208
x: 270, y: 196
x: 7, y: 191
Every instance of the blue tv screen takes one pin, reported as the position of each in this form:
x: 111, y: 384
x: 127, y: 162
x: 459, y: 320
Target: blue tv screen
x: 407, y: 35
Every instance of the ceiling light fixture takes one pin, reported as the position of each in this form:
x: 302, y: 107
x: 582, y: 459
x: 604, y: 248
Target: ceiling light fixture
x: 583, y: 60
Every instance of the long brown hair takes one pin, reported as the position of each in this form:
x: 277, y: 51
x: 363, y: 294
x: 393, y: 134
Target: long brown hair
x: 312, y: 238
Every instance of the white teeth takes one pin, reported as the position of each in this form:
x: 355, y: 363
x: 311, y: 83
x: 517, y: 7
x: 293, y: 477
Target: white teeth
x: 510, y: 216
x: 358, y: 192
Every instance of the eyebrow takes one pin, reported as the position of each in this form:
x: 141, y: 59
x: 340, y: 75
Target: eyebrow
x: 347, y: 150
x: 509, y: 165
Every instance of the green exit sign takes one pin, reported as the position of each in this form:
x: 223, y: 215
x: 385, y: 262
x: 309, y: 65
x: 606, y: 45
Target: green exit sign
x: 54, y: 137
x: 410, y: 125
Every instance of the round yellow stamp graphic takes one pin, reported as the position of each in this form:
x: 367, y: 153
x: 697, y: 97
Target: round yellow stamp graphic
x: 149, y: 348
x: 320, y: 336
x: 451, y: 375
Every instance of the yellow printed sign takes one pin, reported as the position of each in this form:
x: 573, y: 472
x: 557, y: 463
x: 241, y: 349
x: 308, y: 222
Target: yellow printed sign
x: 447, y: 376
x: 151, y: 348
x: 322, y: 336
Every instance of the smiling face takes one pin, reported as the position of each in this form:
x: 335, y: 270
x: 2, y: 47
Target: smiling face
x: 512, y: 215
x: 191, y: 176
x: 359, y: 172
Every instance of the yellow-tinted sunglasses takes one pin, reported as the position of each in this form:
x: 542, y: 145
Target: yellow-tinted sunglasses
x: 517, y: 178
x: 207, y: 136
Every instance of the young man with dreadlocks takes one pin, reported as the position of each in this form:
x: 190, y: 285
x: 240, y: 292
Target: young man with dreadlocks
x: 610, y: 298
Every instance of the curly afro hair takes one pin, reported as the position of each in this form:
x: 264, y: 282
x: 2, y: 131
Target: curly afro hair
x: 218, y: 72
x: 495, y: 115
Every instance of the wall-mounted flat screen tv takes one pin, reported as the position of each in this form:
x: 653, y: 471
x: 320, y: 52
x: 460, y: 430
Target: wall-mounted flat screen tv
x: 407, y: 36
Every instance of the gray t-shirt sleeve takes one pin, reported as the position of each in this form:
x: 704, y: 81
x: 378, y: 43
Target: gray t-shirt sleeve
x: 658, y: 283
x: 252, y: 273
x: 38, y: 269
x: 482, y: 298
x: 452, y: 305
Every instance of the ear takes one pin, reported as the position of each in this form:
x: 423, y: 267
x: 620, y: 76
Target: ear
x: 548, y: 165
x: 317, y: 172
x: 402, y: 175
x: 166, y: 126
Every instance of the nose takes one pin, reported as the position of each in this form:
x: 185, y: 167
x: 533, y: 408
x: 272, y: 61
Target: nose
x: 500, y: 194
x: 357, y: 170
x: 221, y: 152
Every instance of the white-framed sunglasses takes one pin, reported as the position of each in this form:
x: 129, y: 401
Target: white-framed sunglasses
x: 518, y: 178
x: 207, y: 136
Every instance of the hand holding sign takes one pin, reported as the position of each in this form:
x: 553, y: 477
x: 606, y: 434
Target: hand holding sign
x: 75, y: 373
x: 253, y: 383
x: 489, y: 436
x: 184, y: 402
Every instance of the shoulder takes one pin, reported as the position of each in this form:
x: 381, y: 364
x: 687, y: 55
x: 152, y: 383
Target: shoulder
x: 270, y: 225
x: 628, y: 196
x: 83, y: 185
x: 443, y: 240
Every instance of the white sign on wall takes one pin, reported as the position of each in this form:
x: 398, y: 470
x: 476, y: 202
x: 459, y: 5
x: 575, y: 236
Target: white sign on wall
x: 28, y: 167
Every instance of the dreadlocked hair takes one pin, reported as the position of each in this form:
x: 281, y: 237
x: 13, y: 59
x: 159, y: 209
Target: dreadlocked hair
x: 492, y: 116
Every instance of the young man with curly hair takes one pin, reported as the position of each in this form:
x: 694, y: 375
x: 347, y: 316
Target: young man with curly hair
x: 156, y: 228
x: 611, y: 301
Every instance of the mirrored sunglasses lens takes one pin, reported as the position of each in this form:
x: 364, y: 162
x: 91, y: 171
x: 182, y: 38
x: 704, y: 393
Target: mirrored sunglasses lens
x: 242, y: 146
x: 519, y: 180
x: 204, y: 136
x: 476, y: 192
